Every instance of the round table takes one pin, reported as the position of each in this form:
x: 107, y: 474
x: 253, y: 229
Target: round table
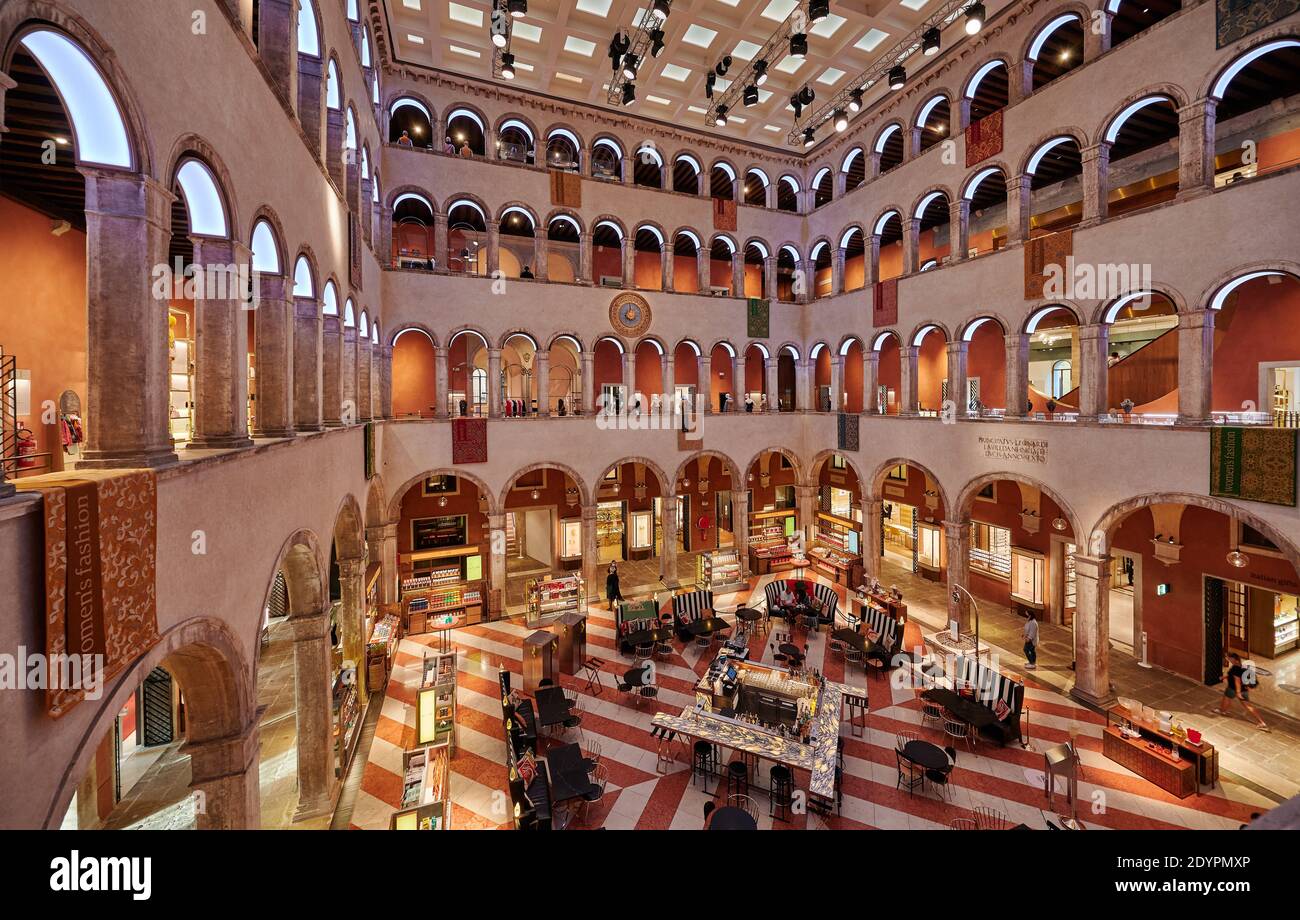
x: 925, y: 754
x: 729, y: 818
x: 748, y: 614
x: 792, y: 652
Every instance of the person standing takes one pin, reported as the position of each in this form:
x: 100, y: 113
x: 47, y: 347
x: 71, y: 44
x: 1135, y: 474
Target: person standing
x: 749, y: 403
x: 1030, y: 633
x: 1239, y: 689
x: 612, y: 590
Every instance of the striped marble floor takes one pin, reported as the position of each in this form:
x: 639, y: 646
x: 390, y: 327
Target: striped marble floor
x: 1008, y: 779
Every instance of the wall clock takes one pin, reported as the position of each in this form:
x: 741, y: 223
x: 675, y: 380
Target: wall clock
x: 630, y: 315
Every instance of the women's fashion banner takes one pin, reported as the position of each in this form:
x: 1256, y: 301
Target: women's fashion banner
x: 984, y: 138
x: 1235, y: 19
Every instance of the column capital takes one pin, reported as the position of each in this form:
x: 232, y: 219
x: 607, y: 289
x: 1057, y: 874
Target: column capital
x: 309, y: 627
x: 1092, y: 567
x: 1196, y: 319
x: 958, y: 347
x: 1197, y: 110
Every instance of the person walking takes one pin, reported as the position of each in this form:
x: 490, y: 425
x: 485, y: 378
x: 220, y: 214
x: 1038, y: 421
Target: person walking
x: 1030, y: 634
x: 1239, y: 683
x: 612, y: 590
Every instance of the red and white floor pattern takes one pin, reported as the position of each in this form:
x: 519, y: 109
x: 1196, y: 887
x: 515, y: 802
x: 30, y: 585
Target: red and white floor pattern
x: 1008, y: 779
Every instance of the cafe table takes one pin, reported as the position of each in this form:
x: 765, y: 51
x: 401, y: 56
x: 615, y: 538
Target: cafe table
x: 730, y: 818
x: 569, y: 772
x: 927, y: 755
x: 707, y: 626
x: 748, y: 614
x: 851, y: 637
x: 648, y: 636
x: 637, y: 677
x: 552, y: 706
x: 972, y: 713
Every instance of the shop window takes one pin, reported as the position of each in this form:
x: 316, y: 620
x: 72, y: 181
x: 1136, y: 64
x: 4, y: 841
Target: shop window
x: 990, y: 549
x: 784, y: 497
x: 479, y: 387
x: 438, y: 532
x: 898, y: 473
x: 571, y: 539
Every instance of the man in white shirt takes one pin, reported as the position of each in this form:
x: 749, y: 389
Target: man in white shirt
x: 1030, y: 633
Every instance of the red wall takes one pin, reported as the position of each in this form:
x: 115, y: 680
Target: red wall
x: 1256, y: 324
x: 414, y: 375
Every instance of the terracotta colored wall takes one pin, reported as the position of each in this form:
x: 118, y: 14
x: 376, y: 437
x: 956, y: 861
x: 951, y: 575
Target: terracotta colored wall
x: 932, y: 368
x: 43, y: 318
x: 889, y: 373
x: 723, y: 376
x: 986, y: 359
x: 606, y: 260
x: 753, y: 280
x: 762, y: 496
x: 649, y: 370
x: 720, y: 274
x: 607, y: 367
x: 1005, y: 512
x: 414, y: 375
x: 855, y: 272
x: 415, y: 505
x: 705, y: 503
x: 755, y: 373
x: 686, y: 367
x: 853, y: 378
x: 1256, y: 325
x: 648, y: 271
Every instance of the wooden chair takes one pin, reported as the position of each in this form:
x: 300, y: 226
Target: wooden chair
x: 745, y: 804
x: 991, y: 819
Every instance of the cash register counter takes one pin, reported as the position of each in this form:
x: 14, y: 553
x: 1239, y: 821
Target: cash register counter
x: 818, y: 757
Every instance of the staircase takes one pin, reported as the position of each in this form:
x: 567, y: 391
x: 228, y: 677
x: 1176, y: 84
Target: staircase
x: 1143, y: 376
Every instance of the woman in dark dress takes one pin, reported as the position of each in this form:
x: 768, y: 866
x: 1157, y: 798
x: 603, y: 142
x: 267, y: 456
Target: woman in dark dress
x: 612, y: 592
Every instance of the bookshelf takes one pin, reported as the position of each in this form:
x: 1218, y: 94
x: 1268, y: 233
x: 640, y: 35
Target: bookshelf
x: 836, y: 549
x: 426, y: 790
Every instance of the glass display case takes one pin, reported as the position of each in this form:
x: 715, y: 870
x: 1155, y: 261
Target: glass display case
x: 548, y: 598
x: 718, y: 570
x: 929, y: 549
x: 1028, y: 578
x: 571, y: 539
x: 435, y: 700
x: 642, y: 535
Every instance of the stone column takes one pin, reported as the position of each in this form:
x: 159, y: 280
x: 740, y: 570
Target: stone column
x: 911, y: 244
x: 1196, y: 148
x: 907, y: 387
x: 837, y: 383
x: 442, y: 382
x: 221, y: 350
x: 1096, y: 183
x: 366, y: 205
x: 225, y: 772
x: 740, y: 524
x: 629, y: 168
x: 668, y: 561
x: 872, y: 513
x: 590, y: 553
x: 703, y: 269
x: 352, y: 178
x: 332, y: 371
x: 666, y: 267
x: 959, y: 229
x: 738, y: 274
x: 629, y: 262
x: 277, y: 45
x: 800, y: 386
x: 1196, y: 367
x: 365, y: 380
x: 770, y: 289
x: 837, y: 270
x: 440, y: 241
x: 385, y: 353
x: 806, y: 501
x: 1017, y: 375
x: 497, y: 560
x: 312, y: 713
x: 389, y: 593
x: 871, y: 260
x: 585, y: 275
x: 349, y: 376
x: 1092, y: 631
x: 494, y: 382
x: 770, y: 366
x: 771, y: 196
x: 308, y: 346
x: 873, y: 165
x: 629, y: 379
x: 493, y: 247
x: 128, y: 220
x: 957, y: 536
x: 311, y: 99
x: 957, y: 353
x: 334, y: 129
x: 704, y: 386
x: 541, y: 264
x: 384, y: 244
x: 670, y: 380
x: 1019, y: 202
x: 543, y: 361
x: 588, y: 382
x: 1020, y: 82
x: 1094, y: 369
x: 805, y: 290
x: 870, y: 381
x: 273, y: 323
x: 352, y: 618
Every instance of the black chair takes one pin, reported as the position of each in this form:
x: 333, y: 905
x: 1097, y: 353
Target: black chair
x: 737, y: 778
x: 703, y: 762
x: 709, y: 808
x: 782, y: 792
x: 909, y: 774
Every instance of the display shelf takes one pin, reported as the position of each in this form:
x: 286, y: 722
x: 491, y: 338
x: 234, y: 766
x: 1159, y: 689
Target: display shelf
x: 385, y: 636
x: 426, y: 790
x: 1028, y: 579
x: 346, y: 708
x: 718, y: 570
x: 835, y: 551
x: 180, y: 379
x: 443, y: 607
x: 435, y: 700
x: 548, y: 598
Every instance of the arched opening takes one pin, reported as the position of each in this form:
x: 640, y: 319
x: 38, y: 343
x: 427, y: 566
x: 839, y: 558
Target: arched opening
x: 890, y: 230
x: 823, y: 277
x: 706, y: 525
x: 413, y: 232
x: 910, y: 541
x: 836, y: 546
x: 1256, y: 344
x: 721, y: 276
x: 787, y: 264
x: 755, y: 269
x: 607, y: 160
x: 609, y: 383
x: 987, y: 220
x: 775, y: 518
x: 1055, y: 361
x: 889, y: 374
x: 516, y: 247
x: 607, y: 253
x: 648, y: 261
x: 467, y: 375
x: 935, y: 239
x: 629, y: 525
x: 756, y: 183
x: 1252, y: 122
x: 1057, y: 49
x: 686, y: 174
x: 722, y: 365
x: 1133, y: 17
x: 648, y: 168
x: 823, y: 187
x: 787, y: 379
x: 544, y: 544
x: 1143, y: 168
x: 515, y: 142
x: 988, y: 90
x: 855, y: 259
x: 686, y: 265
x: 686, y: 373
x: 466, y: 238
x: 415, y: 385
x: 519, y: 377
x: 934, y: 122
x: 722, y: 182
x: 467, y: 132
x: 1056, y: 186
x: 986, y: 366
x: 649, y: 383
x: 820, y: 358
x: 889, y: 147
x: 852, y: 396
x: 854, y: 168
x: 787, y: 194
x: 563, y: 249
x: 931, y: 370
x: 563, y: 150
x: 756, y: 397
x: 564, y: 392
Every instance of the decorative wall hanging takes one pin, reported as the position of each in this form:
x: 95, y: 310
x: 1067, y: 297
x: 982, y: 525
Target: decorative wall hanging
x: 724, y: 214
x: 884, y: 303
x: 984, y: 138
x: 354, y: 251
x: 469, y: 440
x: 630, y: 315
x: 1254, y: 464
x: 758, y: 313
x: 848, y: 431
x: 566, y: 189
x: 1041, y: 252
x: 1235, y: 19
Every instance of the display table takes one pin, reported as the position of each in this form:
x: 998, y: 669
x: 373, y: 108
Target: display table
x: 1203, y: 756
x: 1147, y: 760
x: 426, y: 790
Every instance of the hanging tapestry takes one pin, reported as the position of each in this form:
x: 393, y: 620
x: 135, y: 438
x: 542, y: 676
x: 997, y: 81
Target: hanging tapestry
x: 1235, y: 19
x: 759, y: 313
x: 1041, y: 252
x: 724, y: 214
x: 984, y: 138
x: 884, y: 303
x: 469, y: 440
x: 354, y: 251
x: 1254, y: 464
x: 848, y: 431
x: 100, y: 573
x: 566, y: 189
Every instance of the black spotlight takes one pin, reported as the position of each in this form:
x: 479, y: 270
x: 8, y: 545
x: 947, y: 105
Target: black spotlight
x: 841, y: 120
x: 796, y: 104
x: 897, y: 77
x: 807, y: 95
x: 660, y: 9
x: 798, y: 44
x: 722, y: 116
x: 760, y: 72
x: 723, y: 66
x: 818, y: 10
x: 974, y: 18
x: 517, y: 8
x: 710, y: 79
x: 656, y: 42
x: 809, y: 137
x: 508, y: 65
x: 930, y: 42
x: 499, y: 39
x: 855, y: 100
x: 751, y: 94
x: 630, y: 63
x: 629, y: 93
x: 618, y: 46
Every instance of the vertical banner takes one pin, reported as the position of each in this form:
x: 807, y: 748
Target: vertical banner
x: 1254, y: 464
x: 848, y: 431
x: 884, y: 303
x: 724, y: 214
x: 469, y: 440
x: 759, y: 317
x: 1041, y: 252
x: 984, y: 138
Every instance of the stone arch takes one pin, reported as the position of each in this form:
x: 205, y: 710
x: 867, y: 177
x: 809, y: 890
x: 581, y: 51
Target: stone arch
x: 970, y: 83
x: 847, y: 339
x: 515, y: 116
x: 1058, y: 10
x: 973, y: 487
x: 449, y: 203
x: 349, y: 532
x: 1099, y: 536
x: 878, y: 224
x: 318, y: 283
x: 815, y: 465
x: 1075, y: 133
x: 518, y: 331
x: 564, y: 212
x: 522, y: 206
x: 733, y: 470
x: 843, y: 236
x: 725, y: 343
x: 390, y: 200
x: 792, y: 455
x: 981, y: 172
x: 408, y: 327
x: 1175, y: 297
x: 1207, y: 297
x: 1230, y: 56
x: 394, y: 509
x: 666, y: 486
x: 1168, y: 91
x: 192, y: 146
x: 584, y: 494
x: 376, y: 502
x: 469, y: 328
x: 1040, y: 306
x: 967, y: 329
x: 940, y: 189
x: 267, y: 213
x: 926, y: 326
x: 609, y: 219
x: 397, y: 94
x: 871, y: 488
x: 562, y: 334
x: 886, y: 131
